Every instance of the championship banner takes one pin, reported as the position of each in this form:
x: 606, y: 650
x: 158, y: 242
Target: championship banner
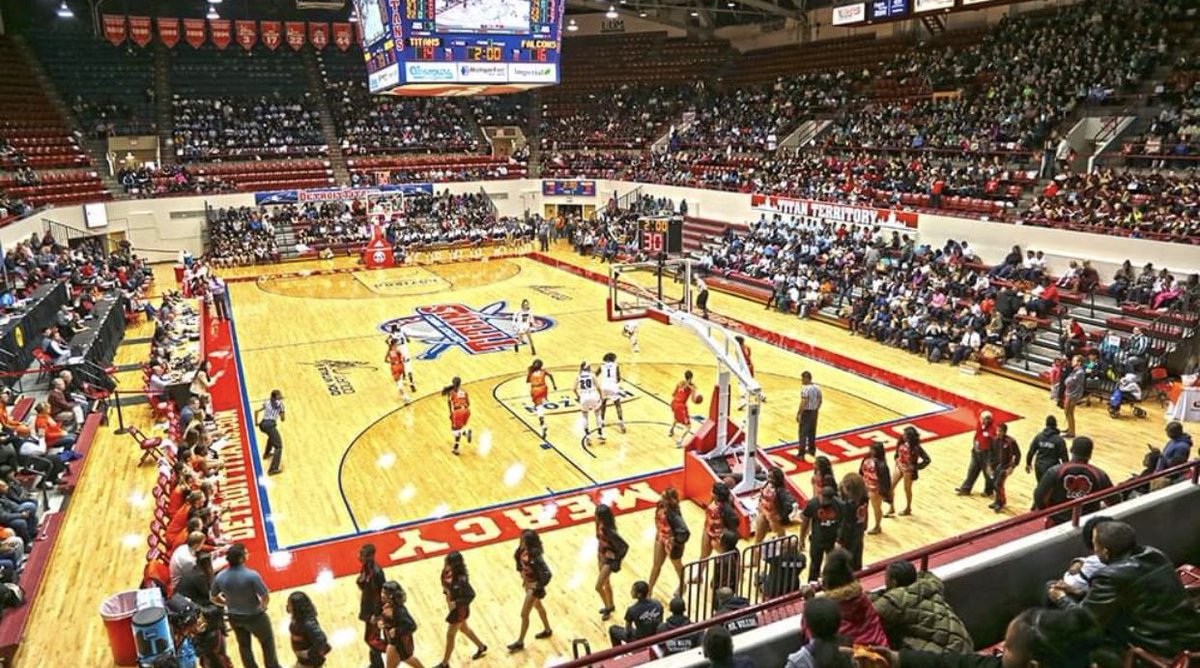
x: 139, y: 30
x: 295, y: 35
x: 343, y: 35
x: 168, y: 31
x: 271, y: 33
x: 222, y: 32
x: 837, y: 214
x: 114, y: 28
x: 246, y: 34
x: 194, y: 32
x: 318, y: 34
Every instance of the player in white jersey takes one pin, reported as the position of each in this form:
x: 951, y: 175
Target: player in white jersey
x: 630, y: 331
x: 610, y: 389
x: 588, y: 396
x: 523, y: 326
x: 396, y: 335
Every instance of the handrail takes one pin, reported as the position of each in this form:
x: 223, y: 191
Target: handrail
x: 921, y: 555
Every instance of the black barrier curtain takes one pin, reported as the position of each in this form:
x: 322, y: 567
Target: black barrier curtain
x: 93, y: 349
x: 23, y: 332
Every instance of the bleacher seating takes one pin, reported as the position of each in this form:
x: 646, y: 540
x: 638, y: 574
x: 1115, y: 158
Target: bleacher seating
x: 411, y: 169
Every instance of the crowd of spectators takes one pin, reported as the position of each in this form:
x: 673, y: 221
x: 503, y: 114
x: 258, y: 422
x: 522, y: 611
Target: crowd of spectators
x: 388, y: 124
x: 590, y: 164
x: 439, y: 171
x: 630, y: 117
x: 241, y: 236
x: 275, y: 125
x: 168, y: 180
x: 1125, y: 202
x: 12, y: 207
x: 103, y: 119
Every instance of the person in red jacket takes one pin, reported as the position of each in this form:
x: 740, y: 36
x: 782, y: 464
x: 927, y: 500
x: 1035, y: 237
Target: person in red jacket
x: 860, y: 625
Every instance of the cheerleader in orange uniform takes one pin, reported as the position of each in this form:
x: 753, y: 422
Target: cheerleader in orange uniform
x: 671, y: 536
x: 538, y: 391
x: 459, y: 403
x: 771, y: 505
x: 395, y: 358
x: 719, y: 517
x: 684, y: 391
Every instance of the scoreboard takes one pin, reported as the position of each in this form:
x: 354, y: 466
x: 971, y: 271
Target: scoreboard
x: 460, y: 47
x: 660, y: 234
x: 558, y: 187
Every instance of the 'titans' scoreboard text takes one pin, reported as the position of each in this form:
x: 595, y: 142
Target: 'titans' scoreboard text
x: 460, y: 47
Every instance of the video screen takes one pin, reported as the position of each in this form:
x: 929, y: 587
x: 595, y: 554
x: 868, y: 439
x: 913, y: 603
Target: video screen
x: 510, y: 17
x: 371, y: 15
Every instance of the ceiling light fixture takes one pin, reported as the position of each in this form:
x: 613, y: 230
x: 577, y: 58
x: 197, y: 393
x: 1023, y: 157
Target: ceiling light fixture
x: 695, y: 13
x: 64, y: 12
x: 212, y: 13
x: 572, y: 26
x: 611, y: 13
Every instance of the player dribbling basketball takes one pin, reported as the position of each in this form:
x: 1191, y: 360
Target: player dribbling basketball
x: 538, y: 391
x: 459, y: 403
x: 398, y: 337
x: 589, y: 399
x: 523, y: 326
x: 395, y: 358
x: 610, y: 389
x: 684, y: 391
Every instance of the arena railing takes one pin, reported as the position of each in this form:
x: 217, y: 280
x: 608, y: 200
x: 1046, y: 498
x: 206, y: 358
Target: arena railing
x: 922, y: 557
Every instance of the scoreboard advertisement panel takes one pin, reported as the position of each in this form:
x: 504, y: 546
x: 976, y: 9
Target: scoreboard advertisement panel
x: 555, y: 188
x: 457, y: 47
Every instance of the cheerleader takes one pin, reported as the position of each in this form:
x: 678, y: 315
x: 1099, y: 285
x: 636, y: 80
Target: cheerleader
x: 910, y: 459
x: 610, y: 389
x: 772, y: 506
x: 538, y: 391
x: 459, y: 403
x: 611, y: 549
x: 456, y: 585
x: 719, y: 517
x: 395, y: 359
x: 523, y: 326
x: 589, y: 399
x: 877, y: 476
x: 398, y: 626
x: 535, y: 575
x: 671, y: 537
x: 685, y: 390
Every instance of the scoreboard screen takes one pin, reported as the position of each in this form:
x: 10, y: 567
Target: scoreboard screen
x: 553, y: 188
x: 660, y: 234
x: 456, y: 47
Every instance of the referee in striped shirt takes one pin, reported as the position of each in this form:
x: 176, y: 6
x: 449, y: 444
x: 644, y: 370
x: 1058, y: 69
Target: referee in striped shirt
x: 806, y: 415
x: 269, y: 417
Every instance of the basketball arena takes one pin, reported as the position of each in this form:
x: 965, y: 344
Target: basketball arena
x: 561, y: 333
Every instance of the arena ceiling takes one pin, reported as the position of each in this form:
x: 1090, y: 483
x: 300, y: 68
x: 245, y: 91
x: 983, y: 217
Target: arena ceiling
x: 696, y: 15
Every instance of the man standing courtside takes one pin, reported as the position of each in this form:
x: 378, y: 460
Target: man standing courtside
x: 243, y: 594
x: 806, y: 415
x: 269, y: 417
x: 370, y: 605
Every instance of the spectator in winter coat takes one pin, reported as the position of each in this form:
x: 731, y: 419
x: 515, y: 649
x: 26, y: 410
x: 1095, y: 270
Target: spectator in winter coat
x: 1047, y: 449
x: 822, y: 617
x: 1177, y: 449
x: 915, y: 612
x: 860, y: 623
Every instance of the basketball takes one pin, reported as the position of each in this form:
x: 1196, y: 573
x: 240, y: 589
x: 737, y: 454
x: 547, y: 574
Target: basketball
x: 697, y: 397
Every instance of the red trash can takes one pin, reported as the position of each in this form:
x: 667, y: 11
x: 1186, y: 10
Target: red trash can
x: 179, y: 269
x: 117, y: 612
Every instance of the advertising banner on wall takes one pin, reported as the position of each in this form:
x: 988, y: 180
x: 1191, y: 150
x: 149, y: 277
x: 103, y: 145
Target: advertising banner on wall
x: 931, y: 5
x: 338, y: 194
x: 837, y: 214
x: 847, y: 14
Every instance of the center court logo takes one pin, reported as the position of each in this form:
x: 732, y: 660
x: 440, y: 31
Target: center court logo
x: 476, y: 331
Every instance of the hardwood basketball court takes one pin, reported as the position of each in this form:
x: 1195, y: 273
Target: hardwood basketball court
x: 360, y: 466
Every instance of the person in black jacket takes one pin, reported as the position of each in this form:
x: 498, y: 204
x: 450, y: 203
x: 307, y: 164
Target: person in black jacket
x: 456, y: 585
x: 611, y: 549
x: 1037, y: 638
x: 370, y: 584
x: 308, y: 640
x: 853, y: 529
x: 1136, y: 599
x: 1047, y: 449
x: 641, y: 619
x: 398, y: 626
x: 1072, y: 480
x: 823, y: 517
x: 678, y: 619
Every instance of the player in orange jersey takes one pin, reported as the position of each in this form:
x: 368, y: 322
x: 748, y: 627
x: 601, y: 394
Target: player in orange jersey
x: 684, y: 391
x: 395, y: 358
x: 538, y: 392
x: 459, y: 403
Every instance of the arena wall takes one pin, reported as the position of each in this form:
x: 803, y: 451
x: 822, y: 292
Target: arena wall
x: 159, y: 228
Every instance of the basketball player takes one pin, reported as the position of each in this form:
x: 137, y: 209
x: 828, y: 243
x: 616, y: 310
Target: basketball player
x: 537, y: 377
x: 522, y: 326
x: 610, y: 389
x: 741, y: 341
x: 459, y: 404
x: 398, y: 337
x: 630, y: 331
x: 589, y: 399
x: 395, y: 358
x: 702, y: 296
x: 684, y: 391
